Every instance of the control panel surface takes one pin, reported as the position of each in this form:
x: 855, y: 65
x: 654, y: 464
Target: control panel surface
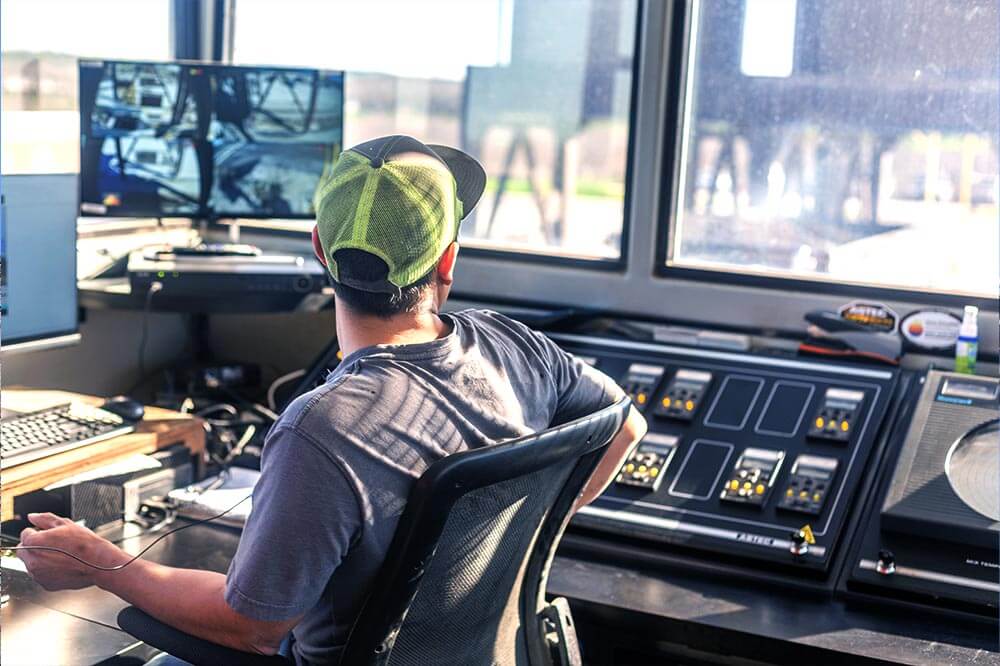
x: 753, y: 457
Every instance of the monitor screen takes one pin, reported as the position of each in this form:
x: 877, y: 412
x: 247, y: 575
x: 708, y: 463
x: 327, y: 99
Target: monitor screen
x: 37, y: 258
x: 193, y: 140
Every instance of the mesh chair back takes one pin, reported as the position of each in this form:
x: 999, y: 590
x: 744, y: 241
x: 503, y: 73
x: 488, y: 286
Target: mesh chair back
x: 463, y: 580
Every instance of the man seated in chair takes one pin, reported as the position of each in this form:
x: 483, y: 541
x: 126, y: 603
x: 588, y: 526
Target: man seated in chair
x: 415, y: 385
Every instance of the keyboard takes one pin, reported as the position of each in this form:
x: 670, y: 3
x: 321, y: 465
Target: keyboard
x: 35, y: 435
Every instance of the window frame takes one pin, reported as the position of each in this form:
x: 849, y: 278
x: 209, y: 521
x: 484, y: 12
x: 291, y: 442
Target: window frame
x: 679, y: 68
x: 543, y: 256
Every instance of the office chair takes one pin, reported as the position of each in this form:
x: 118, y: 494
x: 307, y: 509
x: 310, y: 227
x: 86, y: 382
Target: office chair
x: 464, y: 579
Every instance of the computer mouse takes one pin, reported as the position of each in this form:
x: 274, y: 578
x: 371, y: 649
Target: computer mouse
x: 125, y: 407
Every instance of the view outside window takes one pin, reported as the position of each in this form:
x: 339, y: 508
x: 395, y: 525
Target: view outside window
x: 539, y: 91
x: 851, y: 141
x: 41, y: 41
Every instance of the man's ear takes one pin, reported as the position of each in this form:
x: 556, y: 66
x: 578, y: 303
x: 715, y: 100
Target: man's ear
x: 446, y: 265
x: 318, y: 247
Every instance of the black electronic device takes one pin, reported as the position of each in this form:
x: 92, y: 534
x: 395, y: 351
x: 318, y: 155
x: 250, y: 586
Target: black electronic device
x: 837, y: 414
x: 160, y: 252
x: 205, y: 140
x: 809, y: 483
x: 217, y: 273
x: 932, y: 531
x: 752, y: 476
x: 127, y: 408
x: 716, y: 500
x: 683, y: 394
x: 43, y: 433
x: 645, y: 465
x: 640, y: 383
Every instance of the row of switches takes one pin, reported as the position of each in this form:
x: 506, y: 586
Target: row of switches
x: 750, y: 480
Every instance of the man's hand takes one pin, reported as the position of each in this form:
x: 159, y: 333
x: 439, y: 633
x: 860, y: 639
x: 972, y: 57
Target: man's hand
x: 55, y: 571
x: 191, y: 600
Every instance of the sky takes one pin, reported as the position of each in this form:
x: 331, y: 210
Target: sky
x: 431, y: 38
x: 136, y: 29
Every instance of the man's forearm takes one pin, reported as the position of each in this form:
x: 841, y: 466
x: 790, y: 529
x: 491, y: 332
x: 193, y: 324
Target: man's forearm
x: 190, y: 600
x: 607, y: 469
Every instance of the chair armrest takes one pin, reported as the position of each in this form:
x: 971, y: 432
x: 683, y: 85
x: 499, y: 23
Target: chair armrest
x: 560, y: 633
x: 194, y: 650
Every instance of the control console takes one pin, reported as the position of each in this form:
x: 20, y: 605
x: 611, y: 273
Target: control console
x: 751, y: 462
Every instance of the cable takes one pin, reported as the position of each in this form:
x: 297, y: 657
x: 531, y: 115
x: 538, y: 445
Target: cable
x: 217, y: 407
x: 154, y: 287
x: 119, y: 567
x: 278, y: 383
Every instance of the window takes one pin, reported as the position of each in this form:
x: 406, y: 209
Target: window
x: 42, y: 39
x: 538, y: 91
x: 851, y: 141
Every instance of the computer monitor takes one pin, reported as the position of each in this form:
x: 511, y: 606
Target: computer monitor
x: 38, y: 303
x: 205, y: 141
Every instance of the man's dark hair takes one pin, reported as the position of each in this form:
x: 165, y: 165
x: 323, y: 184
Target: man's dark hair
x: 362, y: 265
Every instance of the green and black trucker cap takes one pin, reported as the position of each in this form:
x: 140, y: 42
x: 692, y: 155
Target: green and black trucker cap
x: 398, y: 199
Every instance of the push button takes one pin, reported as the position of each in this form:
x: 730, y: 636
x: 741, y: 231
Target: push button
x: 644, y: 468
x: 752, y: 476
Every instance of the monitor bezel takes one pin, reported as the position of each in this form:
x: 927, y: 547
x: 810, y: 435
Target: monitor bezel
x: 208, y: 215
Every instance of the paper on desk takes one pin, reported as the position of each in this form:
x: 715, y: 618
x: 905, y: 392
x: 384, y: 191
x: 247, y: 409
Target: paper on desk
x: 13, y: 564
x: 134, y: 463
x: 197, y: 503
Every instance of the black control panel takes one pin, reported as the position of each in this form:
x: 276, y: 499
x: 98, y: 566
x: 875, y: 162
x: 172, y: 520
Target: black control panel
x: 755, y: 459
x: 644, y: 467
x: 640, y: 382
x: 836, y: 418
x: 683, y: 394
x: 752, y: 476
x: 809, y: 483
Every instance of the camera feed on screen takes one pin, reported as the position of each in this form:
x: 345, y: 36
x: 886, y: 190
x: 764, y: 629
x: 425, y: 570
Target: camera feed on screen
x: 192, y: 140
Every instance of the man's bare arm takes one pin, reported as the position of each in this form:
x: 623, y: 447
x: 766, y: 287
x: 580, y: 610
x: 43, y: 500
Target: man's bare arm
x: 190, y: 600
x: 621, y: 446
x: 194, y: 602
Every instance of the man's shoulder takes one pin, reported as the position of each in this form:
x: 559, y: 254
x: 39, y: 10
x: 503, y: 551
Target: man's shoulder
x: 342, y: 395
x: 499, y: 323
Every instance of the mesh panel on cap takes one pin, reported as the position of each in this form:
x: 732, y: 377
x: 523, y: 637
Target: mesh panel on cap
x: 405, y: 212
x: 336, y: 206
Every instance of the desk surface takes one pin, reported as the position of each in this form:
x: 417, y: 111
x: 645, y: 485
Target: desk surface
x: 710, y: 615
x: 158, y: 429
x: 85, y: 619
x: 668, y: 607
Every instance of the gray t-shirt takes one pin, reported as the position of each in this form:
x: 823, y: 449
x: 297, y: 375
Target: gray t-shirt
x: 338, y: 465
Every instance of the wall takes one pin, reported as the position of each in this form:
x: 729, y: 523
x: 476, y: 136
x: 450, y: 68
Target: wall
x: 105, y: 362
